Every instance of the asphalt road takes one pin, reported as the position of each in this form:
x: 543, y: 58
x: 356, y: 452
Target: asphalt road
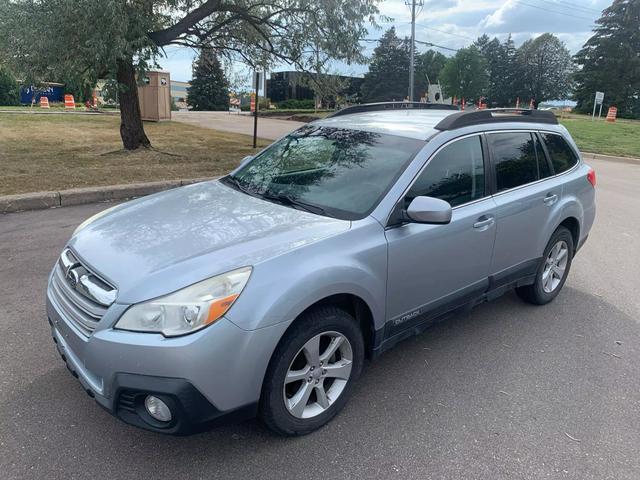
x: 269, y: 128
x: 508, y: 391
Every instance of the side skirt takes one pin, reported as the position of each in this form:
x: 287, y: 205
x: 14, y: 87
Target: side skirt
x: 498, y: 284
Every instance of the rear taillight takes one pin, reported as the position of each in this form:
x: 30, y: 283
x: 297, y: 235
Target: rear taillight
x: 591, y: 176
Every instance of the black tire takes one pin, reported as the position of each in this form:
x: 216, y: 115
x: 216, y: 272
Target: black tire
x: 536, y: 293
x: 272, y: 409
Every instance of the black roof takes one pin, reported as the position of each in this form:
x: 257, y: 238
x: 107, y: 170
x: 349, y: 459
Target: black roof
x: 374, y: 107
x: 496, y: 115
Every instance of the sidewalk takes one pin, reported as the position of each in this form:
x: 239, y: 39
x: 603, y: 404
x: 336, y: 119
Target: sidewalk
x: 268, y: 128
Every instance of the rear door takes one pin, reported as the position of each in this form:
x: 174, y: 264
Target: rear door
x: 525, y: 195
x: 433, y: 268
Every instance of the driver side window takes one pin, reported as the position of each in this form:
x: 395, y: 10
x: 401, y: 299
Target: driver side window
x: 455, y: 174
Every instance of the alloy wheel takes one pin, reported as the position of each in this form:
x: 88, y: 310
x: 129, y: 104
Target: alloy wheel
x: 318, y: 374
x: 555, y: 266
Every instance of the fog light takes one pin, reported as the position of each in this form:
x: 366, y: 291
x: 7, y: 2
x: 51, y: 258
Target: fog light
x: 157, y: 408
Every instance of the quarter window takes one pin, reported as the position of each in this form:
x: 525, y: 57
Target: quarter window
x: 455, y: 174
x: 562, y: 155
x: 518, y: 159
x: 544, y: 170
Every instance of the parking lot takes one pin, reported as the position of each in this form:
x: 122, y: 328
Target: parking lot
x: 506, y: 391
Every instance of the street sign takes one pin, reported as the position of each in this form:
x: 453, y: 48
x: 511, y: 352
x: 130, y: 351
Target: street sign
x: 598, y: 101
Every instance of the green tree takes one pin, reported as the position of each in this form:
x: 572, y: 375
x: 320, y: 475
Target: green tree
x: 465, y: 74
x: 388, y: 75
x: 494, y: 54
x: 209, y: 87
x: 509, y: 85
x: 9, y: 89
x: 117, y: 39
x: 610, y: 61
x: 429, y: 65
x: 546, y: 68
x: 327, y: 87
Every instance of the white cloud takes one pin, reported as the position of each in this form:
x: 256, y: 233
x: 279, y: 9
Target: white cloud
x: 456, y: 24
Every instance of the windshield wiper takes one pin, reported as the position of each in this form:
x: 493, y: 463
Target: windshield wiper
x: 293, y: 202
x: 237, y: 184
x: 281, y: 199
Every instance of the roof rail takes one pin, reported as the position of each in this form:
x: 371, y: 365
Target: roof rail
x: 375, y: 107
x: 496, y: 115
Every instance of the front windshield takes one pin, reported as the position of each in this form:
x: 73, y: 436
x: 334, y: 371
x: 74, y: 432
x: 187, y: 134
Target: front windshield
x: 337, y: 172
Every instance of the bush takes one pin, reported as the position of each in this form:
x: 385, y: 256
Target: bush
x: 9, y: 89
x: 296, y: 104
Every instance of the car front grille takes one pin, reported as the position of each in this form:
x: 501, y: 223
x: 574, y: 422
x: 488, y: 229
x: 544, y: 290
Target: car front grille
x: 81, y: 294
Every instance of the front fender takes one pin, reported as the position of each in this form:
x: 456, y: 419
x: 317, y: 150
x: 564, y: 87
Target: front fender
x: 354, y: 262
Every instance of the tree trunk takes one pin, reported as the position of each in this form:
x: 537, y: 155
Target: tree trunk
x: 131, y: 127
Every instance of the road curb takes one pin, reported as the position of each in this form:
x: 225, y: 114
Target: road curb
x: 610, y: 158
x: 79, y: 196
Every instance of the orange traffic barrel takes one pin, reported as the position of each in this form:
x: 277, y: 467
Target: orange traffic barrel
x: 611, y: 114
x: 69, y: 103
x: 44, y: 102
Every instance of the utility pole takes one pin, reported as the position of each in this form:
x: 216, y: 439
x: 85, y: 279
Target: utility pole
x: 256, y: 79
x: 413, y: 5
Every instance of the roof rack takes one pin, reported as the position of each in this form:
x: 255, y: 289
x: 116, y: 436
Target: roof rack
x: 375, y: 107
x: 496, y: 115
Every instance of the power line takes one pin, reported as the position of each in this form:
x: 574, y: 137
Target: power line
x: 422, y: 42
x: 448, y: 33
x: 519, y: 2
x: 569, y: 5
x: 429, y: 44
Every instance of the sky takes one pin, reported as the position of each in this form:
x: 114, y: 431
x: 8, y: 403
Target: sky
x: 454, y: 24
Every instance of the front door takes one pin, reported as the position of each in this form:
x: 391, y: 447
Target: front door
x: 434, y: 268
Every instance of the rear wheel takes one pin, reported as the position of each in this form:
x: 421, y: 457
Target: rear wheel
x: 312, y: 372
x: 553, y: 269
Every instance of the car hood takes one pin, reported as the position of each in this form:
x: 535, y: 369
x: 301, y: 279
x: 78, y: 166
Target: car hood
x: 158, y: 244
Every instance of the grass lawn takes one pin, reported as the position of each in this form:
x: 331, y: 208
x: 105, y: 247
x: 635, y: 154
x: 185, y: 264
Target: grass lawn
x: 619, y: 138
x: 56, y: 152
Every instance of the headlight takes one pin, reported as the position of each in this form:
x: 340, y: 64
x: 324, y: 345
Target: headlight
x: 189, y: 309
x: 92, y: 219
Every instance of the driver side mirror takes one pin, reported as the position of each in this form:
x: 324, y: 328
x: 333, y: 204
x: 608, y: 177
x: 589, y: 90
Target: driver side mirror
x: 429, y: 210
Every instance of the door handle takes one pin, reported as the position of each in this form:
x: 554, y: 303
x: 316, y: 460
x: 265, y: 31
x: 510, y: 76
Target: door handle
x: 484, y: 223
x: 550, y: 199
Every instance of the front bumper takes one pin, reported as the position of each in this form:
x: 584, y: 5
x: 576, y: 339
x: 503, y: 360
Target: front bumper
x: 209, y: 377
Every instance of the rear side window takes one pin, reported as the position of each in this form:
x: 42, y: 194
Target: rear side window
x: 544, y: 170
x: 562, y: 155
x: 518, y: 159
x: 455, y: 174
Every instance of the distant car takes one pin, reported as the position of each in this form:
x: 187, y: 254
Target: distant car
x: 262, y: 292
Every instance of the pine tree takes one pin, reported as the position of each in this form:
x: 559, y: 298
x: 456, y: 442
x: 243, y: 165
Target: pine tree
x: 388, y: 75
x: 494, y: 54
x: 9, y: 90
x: 610, y: 61
x: 209, y: 87
x: 510, y: 85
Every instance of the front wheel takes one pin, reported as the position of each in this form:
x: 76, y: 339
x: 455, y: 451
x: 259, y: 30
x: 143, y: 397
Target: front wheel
x: 553, y: 269
x: 312, y: 372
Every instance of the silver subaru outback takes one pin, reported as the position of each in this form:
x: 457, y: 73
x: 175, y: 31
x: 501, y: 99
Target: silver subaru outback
x: 261, y: 293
